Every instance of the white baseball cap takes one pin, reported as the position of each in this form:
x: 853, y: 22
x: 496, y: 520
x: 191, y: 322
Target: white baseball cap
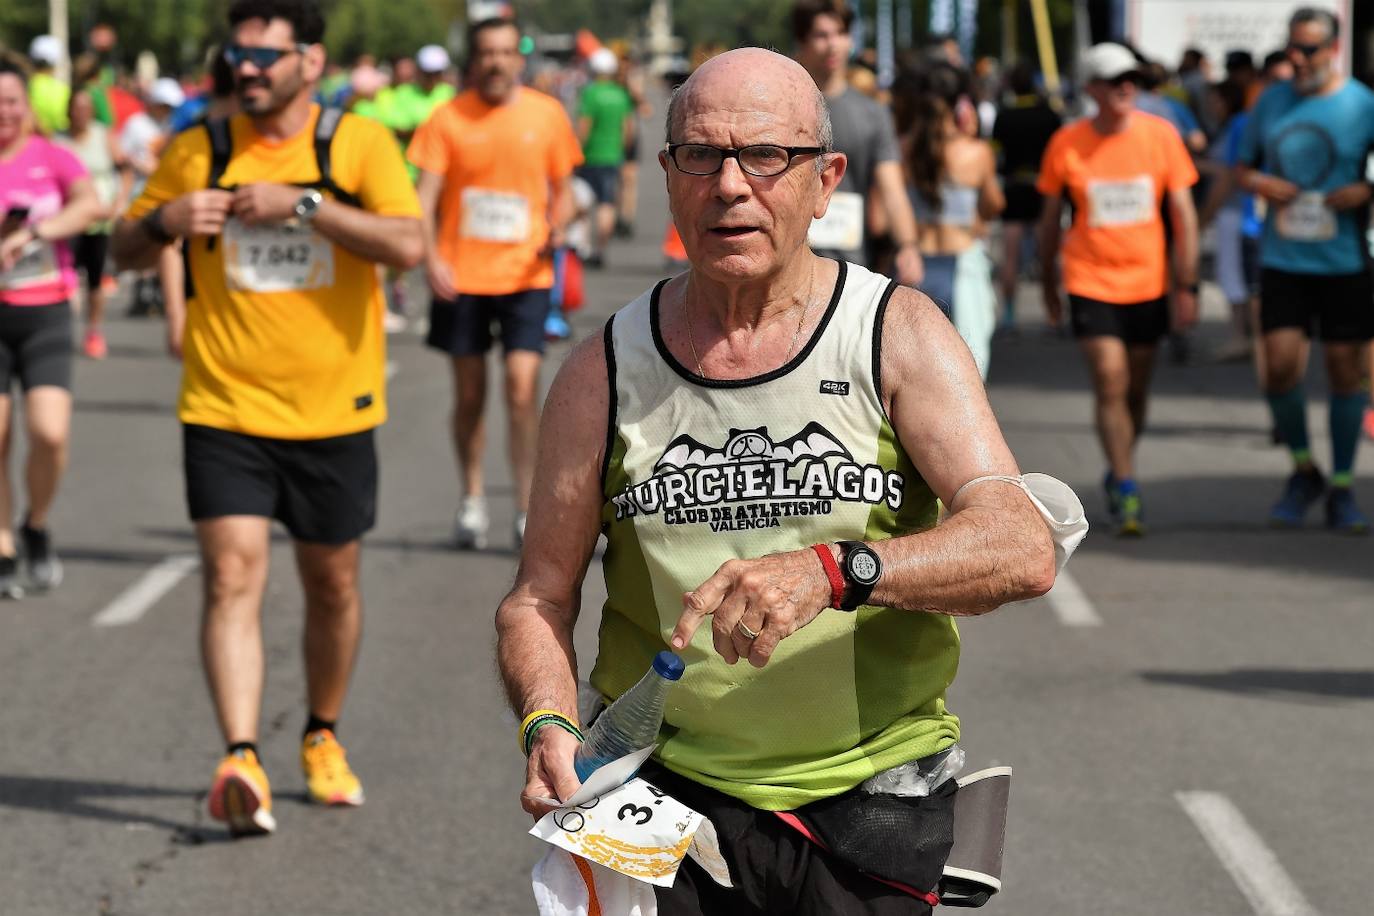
x: 603, y: 62
x: 1107, y: 61
x: 166, y: 91
x: 46, y: 49
x: 432, y: 59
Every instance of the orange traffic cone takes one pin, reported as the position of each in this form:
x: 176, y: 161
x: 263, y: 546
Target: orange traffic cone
x: 673, y: 249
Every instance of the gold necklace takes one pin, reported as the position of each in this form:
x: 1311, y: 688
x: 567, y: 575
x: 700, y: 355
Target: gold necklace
x: 796, y: 335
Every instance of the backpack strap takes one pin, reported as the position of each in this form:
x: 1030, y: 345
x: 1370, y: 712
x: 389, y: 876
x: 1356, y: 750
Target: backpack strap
x: 221, y: 147
x: 325, y: 129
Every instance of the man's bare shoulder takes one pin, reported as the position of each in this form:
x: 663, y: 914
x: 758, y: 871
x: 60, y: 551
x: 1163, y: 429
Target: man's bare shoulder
x: 919, y: 340
x: 580, y: 392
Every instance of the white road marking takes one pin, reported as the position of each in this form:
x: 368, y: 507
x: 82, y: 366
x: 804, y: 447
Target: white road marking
x: 392, y: 367
x: 1070, y: 604
x: 135, y: 600
x: 1252, y: 864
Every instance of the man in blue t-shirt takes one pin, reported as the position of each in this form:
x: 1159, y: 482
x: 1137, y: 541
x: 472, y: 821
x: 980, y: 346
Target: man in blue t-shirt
x: 1304, y: 152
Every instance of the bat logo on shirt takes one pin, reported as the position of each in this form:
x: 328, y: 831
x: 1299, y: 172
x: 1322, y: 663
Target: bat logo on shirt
x: 814, y: 441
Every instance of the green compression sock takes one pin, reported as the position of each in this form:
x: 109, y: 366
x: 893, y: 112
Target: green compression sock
x: 1347, y: 412
x: 1289, y: 410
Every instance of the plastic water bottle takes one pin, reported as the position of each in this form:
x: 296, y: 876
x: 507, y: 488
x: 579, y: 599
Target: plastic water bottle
x: 631, y: 722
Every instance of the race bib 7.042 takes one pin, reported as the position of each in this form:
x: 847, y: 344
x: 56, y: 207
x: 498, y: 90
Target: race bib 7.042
x: 495, y: 216
x: 1306, y: 219
x: 276, y: 258
x: 842, y: 227
x: 1121, y: 201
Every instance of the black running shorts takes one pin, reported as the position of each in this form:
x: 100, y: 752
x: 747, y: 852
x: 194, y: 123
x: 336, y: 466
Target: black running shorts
x: 463, y: 326
x: 36, y: 346
x: 1138, y: 323
x: 323, y: 490
x: 1339, y: 307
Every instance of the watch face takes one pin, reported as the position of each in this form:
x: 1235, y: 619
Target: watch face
x: 864, y: 567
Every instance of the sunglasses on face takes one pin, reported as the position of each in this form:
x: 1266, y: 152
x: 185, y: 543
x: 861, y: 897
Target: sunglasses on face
x: 261, y: 58
x: 1305, y: 50
x: 1123, y: 80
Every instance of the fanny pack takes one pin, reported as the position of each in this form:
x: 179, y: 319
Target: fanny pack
x: 942, y: 848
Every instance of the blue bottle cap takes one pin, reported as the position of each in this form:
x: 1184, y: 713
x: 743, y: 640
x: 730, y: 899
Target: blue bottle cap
x: 669, y: 665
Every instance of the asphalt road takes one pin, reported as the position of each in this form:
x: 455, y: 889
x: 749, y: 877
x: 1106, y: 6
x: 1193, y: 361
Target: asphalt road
x: 1190, y: 727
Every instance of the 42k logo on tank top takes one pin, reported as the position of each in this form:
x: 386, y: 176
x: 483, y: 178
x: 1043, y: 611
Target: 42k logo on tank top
x: 755, y: 481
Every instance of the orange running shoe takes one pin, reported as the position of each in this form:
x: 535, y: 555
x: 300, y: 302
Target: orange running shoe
x: 94, y: 345
x: 327, y: 775
x: 241, y: 796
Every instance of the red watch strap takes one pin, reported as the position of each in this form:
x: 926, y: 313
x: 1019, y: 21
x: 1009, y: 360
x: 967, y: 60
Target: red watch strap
x: 832, y: 572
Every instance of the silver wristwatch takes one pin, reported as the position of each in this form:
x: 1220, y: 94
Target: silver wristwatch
x: 308, y: 206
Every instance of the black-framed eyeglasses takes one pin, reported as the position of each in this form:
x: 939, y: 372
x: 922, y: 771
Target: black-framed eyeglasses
x: 261, y: 58
x: 1306, y: 50
x: 762, y: 160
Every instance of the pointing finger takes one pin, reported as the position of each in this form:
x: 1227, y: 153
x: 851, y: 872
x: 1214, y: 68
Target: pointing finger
x: 704, y: 600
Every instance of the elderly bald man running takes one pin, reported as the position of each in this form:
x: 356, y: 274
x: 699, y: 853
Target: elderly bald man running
x: 763, y: 441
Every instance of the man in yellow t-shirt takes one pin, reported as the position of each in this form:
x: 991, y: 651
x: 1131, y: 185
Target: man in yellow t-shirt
x: 495, y: 183
x: 284, y: 371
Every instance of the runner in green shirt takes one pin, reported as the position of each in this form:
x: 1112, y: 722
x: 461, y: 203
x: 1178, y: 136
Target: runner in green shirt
x: 605, y: 120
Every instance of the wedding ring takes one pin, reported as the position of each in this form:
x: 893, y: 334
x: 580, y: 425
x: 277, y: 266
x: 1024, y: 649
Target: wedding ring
x: 746, y: 632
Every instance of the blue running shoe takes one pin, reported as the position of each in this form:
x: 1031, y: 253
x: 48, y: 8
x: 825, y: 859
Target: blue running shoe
x: 556, y: 327
x: 1130, y: 522
x: 1303, y: 489
x: 1113, y: 496
x: 1342, y: 514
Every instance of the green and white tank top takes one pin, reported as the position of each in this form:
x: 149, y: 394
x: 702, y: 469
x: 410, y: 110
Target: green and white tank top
x: 701, y: 471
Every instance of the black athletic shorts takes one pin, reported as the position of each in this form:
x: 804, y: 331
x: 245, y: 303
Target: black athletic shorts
x: 36, y: 346
x: 89, y: 252
x: 1135, y: 323
x: 462, y: 327
x: 777, y: 870
x: 1339, y: 307
x: 1023, y: 203
x: 323, y: 490
x: 604, y: 180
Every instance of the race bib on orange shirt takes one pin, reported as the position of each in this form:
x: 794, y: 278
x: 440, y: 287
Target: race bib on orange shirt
x: 1121, y: 202
x: 276, y: 258
x: 842, y: 227
x: 1306, y: 219
x: 495, y: 216
x: 35, y: 266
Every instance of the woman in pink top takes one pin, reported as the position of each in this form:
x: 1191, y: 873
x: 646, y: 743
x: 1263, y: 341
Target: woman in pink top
x: 46, y: 197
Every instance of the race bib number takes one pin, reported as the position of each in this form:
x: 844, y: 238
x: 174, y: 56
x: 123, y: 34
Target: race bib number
x: 1306, y: 219
x: 842, y: 227
x: 635, y: 829
x: 276, y: 258
x: 35, y: 266
x: 1126, y: 202
x: 495, y: 216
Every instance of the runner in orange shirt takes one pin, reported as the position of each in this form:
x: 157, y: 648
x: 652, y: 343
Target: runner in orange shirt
x: 1117, y: 168
x: 495, y: 185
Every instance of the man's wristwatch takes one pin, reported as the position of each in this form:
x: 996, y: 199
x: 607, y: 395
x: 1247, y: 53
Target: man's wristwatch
x: 309, y: 205
x: 862, y: 568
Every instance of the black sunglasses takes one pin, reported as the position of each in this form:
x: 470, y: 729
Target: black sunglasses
x: 1305, y: 50
x: 1118, y: 81
x: 261, y: 58
x: 762, y: 160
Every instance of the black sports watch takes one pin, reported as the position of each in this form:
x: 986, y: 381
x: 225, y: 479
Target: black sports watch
x: 862, y: 568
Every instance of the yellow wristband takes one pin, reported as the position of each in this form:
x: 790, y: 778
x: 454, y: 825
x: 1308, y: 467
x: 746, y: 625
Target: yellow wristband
x: 535, y: 715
